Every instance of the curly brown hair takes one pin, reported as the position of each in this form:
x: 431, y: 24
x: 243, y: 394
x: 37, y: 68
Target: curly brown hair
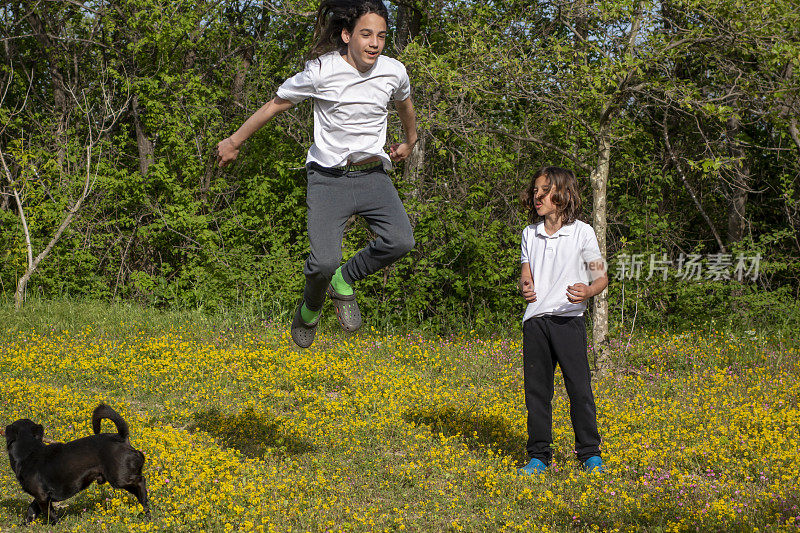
x: 335, y: 15
x: 566, y: 196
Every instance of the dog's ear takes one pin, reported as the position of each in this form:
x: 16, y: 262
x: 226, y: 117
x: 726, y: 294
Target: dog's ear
x: 11, y: 432
x: 38, y: 431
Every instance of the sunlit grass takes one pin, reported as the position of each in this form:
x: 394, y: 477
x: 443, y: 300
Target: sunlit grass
x: 242, y: 431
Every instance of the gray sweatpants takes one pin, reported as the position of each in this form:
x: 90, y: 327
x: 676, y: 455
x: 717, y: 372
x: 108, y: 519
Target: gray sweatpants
x: 332, y: 198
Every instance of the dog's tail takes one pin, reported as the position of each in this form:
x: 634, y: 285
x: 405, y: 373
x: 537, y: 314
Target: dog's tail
x: 103, y: 411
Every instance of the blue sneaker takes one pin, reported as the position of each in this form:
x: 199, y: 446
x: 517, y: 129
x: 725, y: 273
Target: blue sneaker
x: 594, y: 465
x: 534, y: 467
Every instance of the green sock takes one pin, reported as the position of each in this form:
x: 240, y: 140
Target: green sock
x: 308, y: 315
x: 339, y: 284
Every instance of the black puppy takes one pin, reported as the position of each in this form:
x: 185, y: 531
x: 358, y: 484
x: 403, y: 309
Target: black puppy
x: 55, y: 472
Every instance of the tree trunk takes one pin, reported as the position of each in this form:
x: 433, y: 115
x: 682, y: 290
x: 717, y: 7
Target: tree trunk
x: 5, y: 199
x: 409, y: 19
x: 205, y: 180
x: 237, y: 88
x: 51, y: 55
x: 599, y: 179
x: 740, y: 184
x: 33, y: 263
x: 22, y: 287
x: 145, y: 146
x: 788, y: 110
x: 412, y: 173
x: 795, y: 133
x: 19, y: 295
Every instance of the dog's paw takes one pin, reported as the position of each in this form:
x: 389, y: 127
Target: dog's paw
x: 31, y: 514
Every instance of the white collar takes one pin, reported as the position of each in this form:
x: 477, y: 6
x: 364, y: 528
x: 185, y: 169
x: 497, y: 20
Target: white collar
x: 564, y: 230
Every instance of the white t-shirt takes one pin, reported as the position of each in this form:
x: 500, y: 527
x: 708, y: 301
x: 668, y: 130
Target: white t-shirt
x: 350, y: 107
x: 557, y: 261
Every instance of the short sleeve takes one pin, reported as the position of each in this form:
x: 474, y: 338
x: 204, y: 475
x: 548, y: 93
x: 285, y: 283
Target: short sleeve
x: 403, y: 90
x: 300, y: 86
x: 590, y: 250
x: 524, y: 246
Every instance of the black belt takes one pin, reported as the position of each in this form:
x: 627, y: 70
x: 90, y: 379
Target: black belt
x: 349, y: 167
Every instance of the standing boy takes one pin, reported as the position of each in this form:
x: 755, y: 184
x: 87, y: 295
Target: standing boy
x: 562, y: 268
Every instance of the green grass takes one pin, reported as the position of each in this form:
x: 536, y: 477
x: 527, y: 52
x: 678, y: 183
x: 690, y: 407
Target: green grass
x: 391, y: 431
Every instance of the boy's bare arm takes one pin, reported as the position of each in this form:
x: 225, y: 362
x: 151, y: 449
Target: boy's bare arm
x: 597, y: 269
x: 580, y: 291
x: 405, y: 108
x: 526, y: 288
x: 228, y: 149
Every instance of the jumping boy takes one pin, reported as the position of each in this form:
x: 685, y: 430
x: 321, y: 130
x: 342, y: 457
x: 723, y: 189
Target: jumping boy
x: 351, y: 84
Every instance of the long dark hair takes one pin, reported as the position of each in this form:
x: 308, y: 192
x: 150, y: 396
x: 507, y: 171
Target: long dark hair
x: 566, y: 196
x: 335, y: 15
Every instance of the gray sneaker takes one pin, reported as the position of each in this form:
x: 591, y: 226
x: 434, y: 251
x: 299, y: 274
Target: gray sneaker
x: 302, y: 333
x: 347, y: 310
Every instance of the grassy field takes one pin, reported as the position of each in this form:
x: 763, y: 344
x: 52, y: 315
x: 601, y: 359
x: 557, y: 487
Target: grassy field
x: 379, y: 432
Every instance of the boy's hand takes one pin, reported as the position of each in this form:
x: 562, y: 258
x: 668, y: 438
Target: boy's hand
x: 227, y: 151
x: 526, y: 290
x: 578, y: 293
x: 399, y: 152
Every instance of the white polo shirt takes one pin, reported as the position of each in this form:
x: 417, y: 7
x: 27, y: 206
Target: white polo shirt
x: 350, y: 106
x: 557, y: 261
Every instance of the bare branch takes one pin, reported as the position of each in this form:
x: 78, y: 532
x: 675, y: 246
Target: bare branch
x: 545, y: 144
x: 687, y: 185
x: 79, y: 4
x: 22, y: 218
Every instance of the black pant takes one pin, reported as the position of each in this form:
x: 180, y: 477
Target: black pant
x: 548, y: 340
x: 332, y: 197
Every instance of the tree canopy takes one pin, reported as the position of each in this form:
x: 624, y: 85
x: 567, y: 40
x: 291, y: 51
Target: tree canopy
x: 679, y: 116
